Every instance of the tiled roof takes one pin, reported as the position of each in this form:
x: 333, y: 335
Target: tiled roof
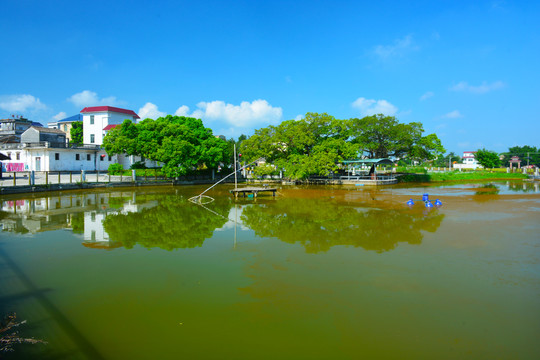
x: 109, y: 109
x: 109, y: 127
x: 47, y: 130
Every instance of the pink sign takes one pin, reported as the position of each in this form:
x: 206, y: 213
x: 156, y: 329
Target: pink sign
x: 14, y: 167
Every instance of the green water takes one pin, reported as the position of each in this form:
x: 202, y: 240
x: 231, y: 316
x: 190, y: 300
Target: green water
x: 317, y: 273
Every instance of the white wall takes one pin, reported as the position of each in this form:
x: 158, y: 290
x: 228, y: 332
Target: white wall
x: 101, y: 120
x: 67, y: 159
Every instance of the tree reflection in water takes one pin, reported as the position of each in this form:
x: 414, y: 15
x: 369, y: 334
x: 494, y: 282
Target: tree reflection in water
x: 319, y: 224
x: 174, y: 223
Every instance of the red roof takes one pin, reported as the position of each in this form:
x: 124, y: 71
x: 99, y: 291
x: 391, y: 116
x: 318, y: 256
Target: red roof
x: 109, y: 109
x: 109, y: 127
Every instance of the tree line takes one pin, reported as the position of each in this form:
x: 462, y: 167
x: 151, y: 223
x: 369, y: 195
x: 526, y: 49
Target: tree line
x: 318, y: 143
x: 314, y: 145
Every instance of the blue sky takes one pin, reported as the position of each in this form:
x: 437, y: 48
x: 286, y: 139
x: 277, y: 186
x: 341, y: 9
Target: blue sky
x: 467, y: 70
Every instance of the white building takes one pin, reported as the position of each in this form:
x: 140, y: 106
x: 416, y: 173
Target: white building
x: 469, y: 161
x: 97, y: 118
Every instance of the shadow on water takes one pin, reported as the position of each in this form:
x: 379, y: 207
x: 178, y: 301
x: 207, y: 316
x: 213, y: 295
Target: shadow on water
x: 83, y: 344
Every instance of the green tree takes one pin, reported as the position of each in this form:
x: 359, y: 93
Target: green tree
x: 182, y: 144
x: 315, y: 144
x: 381, y: 136
x: 76, y: 133
x: 525, y: 153
x: 488, y: 159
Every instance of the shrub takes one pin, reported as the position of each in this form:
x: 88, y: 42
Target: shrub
x: 116, y: 169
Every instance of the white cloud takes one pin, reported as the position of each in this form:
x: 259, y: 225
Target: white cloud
x: 299, y: 117
x: 371, y: 107
x: 426, y: 96
x: 247, y: 114
x: 398, y: 49
x: 61, y: 115
x: 151, y: 111
x: 453, y: 115
x: 90, y: 98
x: 480, y: 89
x: 182, y: 111
x: 21, y: 103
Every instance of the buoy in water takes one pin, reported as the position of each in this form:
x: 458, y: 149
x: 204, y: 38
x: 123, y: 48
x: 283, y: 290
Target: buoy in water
x: 438, y: 202
x: 429, y: 204
x: 410, y: 202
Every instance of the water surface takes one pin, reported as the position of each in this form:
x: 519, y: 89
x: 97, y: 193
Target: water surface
x: 317, y: 273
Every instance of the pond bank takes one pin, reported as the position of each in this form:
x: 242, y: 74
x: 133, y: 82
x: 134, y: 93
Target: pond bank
x: 7, y: 190
x: 460, y: 176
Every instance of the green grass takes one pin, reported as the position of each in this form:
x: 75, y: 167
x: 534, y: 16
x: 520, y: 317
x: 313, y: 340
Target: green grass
x: 461, y: 176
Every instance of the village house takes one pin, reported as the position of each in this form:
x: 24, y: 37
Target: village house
x: 469, y: 161
x: 97, y: 118
x: 36, y: 148
x: 12, y: 128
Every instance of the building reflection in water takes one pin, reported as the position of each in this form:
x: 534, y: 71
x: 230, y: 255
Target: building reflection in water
x: 82, y: 213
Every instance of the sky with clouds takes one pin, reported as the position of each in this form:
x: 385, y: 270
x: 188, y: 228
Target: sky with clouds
x: 467, y: 70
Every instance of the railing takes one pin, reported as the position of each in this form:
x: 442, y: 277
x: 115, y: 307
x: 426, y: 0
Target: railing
x: 47, y: 144
x: 378, y: 177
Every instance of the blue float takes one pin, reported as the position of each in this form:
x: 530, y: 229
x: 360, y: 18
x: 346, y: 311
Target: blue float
x: 426, y: 201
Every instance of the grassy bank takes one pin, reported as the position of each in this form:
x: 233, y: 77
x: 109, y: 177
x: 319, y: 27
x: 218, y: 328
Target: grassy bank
x: 461, y: 176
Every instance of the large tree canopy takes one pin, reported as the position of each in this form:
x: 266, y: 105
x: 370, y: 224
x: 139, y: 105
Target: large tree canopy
x: 319, y: 142
x: 182, y: 144
x: 313, y: 145
x: 382, y: 136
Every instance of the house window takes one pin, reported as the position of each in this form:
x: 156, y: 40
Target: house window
x: 77, y: 157
x: 91, y: 119
x: 101, y: 157
x: 65, y: 127
x: 92, y: 138
x: 18, y: 156
x: 57, y: 156
x: 110, y: 157
x: 88, y: 156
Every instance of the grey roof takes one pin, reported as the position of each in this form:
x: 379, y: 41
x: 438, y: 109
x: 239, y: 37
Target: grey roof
x: 48, y: 130
x: 369, y: 161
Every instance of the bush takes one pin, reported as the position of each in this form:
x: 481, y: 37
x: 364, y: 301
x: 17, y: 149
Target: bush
x: 116, y: 169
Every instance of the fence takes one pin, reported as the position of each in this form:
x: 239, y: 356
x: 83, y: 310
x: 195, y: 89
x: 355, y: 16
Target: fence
x: 30, y: 178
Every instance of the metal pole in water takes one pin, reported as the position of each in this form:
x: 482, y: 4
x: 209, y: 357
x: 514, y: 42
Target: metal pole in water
x: 235, y: 181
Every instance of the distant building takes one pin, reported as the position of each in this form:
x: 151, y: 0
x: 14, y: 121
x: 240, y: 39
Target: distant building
x: 66, y: 124
x: 12, y: 128
x: 469, y: 161
x: 55, y: 137
x: 97, y: 118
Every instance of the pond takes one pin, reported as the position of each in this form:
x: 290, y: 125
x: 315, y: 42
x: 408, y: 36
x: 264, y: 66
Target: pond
x: 320, y: 272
